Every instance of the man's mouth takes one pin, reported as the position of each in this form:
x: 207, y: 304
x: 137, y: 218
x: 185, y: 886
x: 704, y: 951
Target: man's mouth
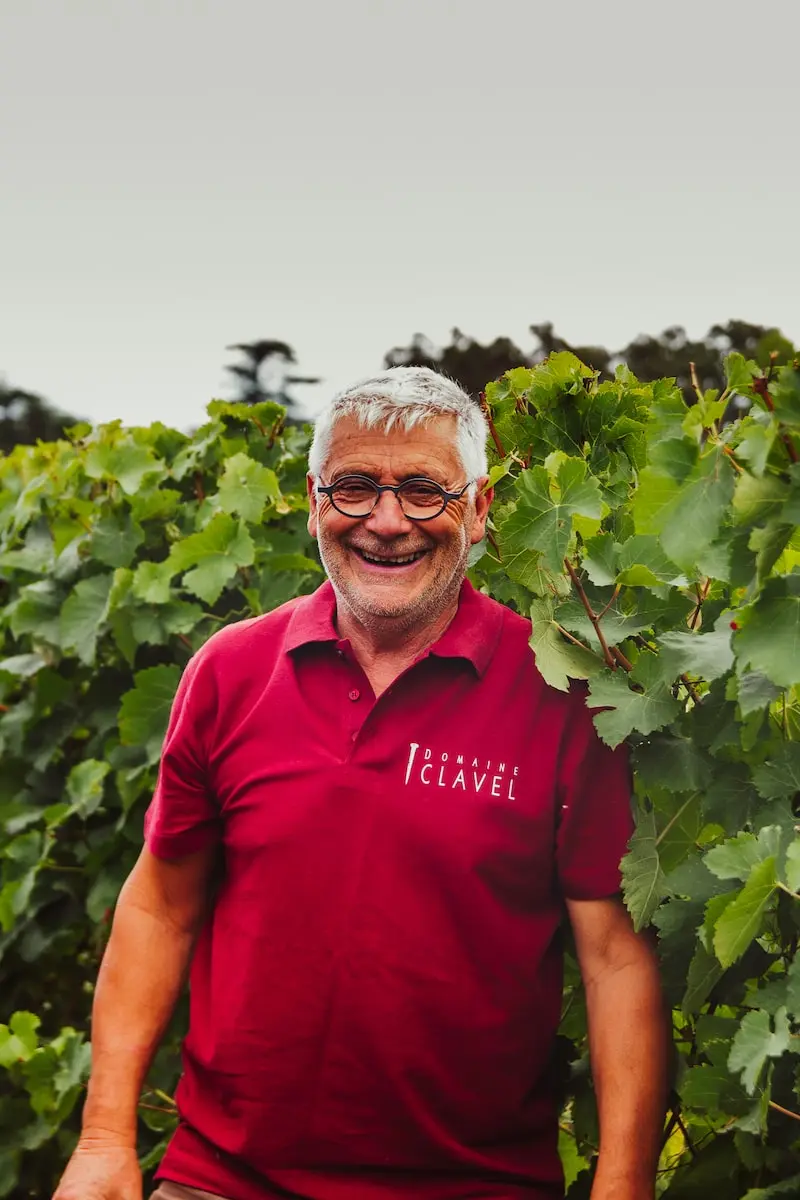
x: 390, y: 560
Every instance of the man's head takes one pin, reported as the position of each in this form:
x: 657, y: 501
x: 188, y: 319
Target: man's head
x: 406, y: 423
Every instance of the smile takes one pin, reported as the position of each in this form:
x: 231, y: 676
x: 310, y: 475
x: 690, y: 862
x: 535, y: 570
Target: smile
x: 399, y: 560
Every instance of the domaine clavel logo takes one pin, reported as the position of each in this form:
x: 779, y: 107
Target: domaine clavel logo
x: 475, y: 775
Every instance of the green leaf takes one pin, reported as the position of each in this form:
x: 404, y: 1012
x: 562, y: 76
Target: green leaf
x: 642, y: 563
x: 600, y: 559
x: 756, y: 1041
x: 127, y: 463
x: 543, y: 517
x: 643, y: 881
x: 755, y: 445
x: 557, y: 660
x: 246, y: 486
x: 779, y: 776
x: 703, y: 975
x: 691, y: 523
x: 144, y: 712
x: 735, y: 858
x: 754, y: 692
x: 770, y: 641
x: 742, y: 919
x: 673, y: 763
x: 644, y: 711
x: 18, y: 1039
x: 115, y: 540
x: 22, y: 666
x: 85, y: 786
x: 218, y: 551
x: 82, y: 614
x: 152, y: 582
x: 704, y: 655
x: 740, y: 372
x: 756, y: 501
x: 793, y: 866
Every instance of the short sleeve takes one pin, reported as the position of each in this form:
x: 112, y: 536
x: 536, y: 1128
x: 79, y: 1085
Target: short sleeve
x: 183, y: 817
x: 595, y: 818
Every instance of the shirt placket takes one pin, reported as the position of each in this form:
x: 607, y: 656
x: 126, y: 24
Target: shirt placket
x: 358, y: 699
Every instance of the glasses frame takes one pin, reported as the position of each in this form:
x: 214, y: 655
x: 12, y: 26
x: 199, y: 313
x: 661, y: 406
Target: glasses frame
x: 380, y: 488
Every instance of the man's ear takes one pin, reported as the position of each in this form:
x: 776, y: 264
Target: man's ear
x: 313, y: 508
x: 483, y: 502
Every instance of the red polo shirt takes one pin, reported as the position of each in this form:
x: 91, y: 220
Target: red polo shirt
x: 374, y: 1000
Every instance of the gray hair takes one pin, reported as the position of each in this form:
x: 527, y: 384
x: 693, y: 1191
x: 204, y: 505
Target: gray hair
x: 409, y: 396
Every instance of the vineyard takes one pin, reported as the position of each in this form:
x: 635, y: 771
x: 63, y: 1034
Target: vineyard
x: 655, y: 546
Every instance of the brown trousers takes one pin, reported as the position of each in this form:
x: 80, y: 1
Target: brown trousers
x: 178, y: 1191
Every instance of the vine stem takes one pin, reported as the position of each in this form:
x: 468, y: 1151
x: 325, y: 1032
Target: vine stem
x: 677, y: 816
x: 787, y: 1112
x: 487, y: 412
x: 761, y: 388
x: 610, y: 660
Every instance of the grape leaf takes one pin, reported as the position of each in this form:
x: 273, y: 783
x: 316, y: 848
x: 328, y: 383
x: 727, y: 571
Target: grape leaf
x: 557, y: 660
x: 144, y: 711
x: 127, y: 463
x: 82, y: 615
x: 643, y: 881
x: 115, y: 540
x: 630, y: 710
x: 543, y: 517
x: 742, y: 919
x: 757, y: 1040
x: 246, y: 486
x: 770, y: 641
x: 780, y: 776
x: 85, y: 785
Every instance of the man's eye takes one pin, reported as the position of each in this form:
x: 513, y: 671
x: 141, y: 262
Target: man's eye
x: 423, y: 494
x: 353, y: 489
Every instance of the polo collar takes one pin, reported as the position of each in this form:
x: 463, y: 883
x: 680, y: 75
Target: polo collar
x: 473, y: 633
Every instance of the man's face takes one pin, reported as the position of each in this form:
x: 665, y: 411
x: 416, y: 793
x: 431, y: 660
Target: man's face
x: 412, y: 592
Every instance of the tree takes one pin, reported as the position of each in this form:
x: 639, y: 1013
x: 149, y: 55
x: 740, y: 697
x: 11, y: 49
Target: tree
x: 265, y: 375
x: 26, y: 418
x: 669, y: 355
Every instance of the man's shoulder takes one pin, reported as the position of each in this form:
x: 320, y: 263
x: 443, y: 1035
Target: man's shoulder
x: 241, y: 639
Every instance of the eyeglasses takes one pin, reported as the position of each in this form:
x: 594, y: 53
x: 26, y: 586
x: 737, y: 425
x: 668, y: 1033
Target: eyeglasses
x: 420, y: 499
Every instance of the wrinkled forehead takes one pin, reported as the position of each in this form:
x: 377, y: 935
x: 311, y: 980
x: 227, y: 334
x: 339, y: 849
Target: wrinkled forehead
x: 429, y: 447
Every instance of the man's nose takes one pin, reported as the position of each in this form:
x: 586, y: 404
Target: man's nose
x: 387, y: 518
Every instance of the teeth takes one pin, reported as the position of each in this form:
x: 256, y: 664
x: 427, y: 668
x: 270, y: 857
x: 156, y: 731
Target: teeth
x: 407, y: 558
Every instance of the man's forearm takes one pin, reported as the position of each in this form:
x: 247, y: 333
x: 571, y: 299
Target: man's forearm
x: 628, y: 1040
x: 142, y: 973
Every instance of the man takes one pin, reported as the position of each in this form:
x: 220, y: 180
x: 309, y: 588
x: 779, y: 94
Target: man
x: 404, y: 812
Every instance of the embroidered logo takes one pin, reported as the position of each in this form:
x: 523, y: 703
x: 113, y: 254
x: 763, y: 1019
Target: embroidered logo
x: 474, y: 775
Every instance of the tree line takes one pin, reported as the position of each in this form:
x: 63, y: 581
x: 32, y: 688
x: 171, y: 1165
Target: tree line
x: 265, y: 370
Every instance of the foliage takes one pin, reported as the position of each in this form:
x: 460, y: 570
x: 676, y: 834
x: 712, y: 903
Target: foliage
x: 659, y: 556
x: 120, y: 552
x: 657, y: 552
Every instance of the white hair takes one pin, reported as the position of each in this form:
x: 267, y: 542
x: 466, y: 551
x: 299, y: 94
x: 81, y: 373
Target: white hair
x: 408, y: 396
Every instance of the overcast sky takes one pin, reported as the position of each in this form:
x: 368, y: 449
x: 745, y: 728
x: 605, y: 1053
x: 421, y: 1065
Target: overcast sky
x: 175, y: 177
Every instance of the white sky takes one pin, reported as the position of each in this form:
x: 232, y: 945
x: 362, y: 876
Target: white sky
x: 175, y: 177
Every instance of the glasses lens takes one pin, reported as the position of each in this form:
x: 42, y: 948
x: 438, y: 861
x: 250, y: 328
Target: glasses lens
x: 421, y: 498
x: 354, y: 496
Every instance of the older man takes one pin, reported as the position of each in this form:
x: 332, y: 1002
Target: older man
x: 405, y: 812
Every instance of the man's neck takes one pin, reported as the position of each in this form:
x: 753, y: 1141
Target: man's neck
x: 385, y: 648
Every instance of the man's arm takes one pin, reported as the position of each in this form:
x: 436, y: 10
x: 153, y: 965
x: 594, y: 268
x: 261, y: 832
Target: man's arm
x: 159, y: 914
x: 628, y: 1045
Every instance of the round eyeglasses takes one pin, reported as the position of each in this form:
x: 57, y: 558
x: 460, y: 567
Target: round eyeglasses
x: 420, y: 499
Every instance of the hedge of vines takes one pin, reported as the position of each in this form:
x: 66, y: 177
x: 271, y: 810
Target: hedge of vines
x: 656, y: 549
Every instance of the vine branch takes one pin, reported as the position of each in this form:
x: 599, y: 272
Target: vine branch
x: 487, y: 412
x: 610, y: 660
x: 761, y: 388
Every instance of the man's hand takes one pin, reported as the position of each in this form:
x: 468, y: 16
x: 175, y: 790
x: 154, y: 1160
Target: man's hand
x: 101, y: 1170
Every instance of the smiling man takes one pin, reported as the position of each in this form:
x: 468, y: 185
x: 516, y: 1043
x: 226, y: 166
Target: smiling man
x: 405, y: 817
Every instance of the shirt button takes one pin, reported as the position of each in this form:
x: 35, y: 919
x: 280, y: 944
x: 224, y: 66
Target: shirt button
x: 354, y: 695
